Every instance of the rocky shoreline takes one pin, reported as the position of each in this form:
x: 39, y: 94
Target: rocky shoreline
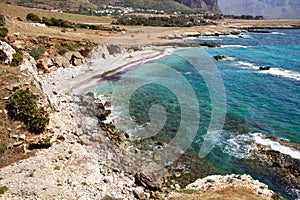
x: 88, y: 157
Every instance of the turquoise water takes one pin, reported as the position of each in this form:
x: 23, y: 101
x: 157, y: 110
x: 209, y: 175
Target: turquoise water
x: 267, y: 102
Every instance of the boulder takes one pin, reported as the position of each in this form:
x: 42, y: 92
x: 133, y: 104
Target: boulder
x: 44, y: 64
x: 8, y: 52
x: 75, y: 58
x: 114, y: 49
x: 60, y: 61
x: 99, y: 50
x: 151, y: 176
x: 139, y: 193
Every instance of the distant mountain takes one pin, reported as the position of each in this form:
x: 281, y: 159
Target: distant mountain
x: 75, y: 5
x: 285, y: 9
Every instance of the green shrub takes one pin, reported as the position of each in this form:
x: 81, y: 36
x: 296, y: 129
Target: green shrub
x: 37, y: 52
x: 84, y: 184
x: 187, y: 191
x: 33, y: 17
x: 3, y: 189
x: 2, y: 20
x: 22, y: 105
x: 17, y: 57
x: 2, y: 149
x: 57, y: 168
x: 3, y: 32
x: 62, y: 50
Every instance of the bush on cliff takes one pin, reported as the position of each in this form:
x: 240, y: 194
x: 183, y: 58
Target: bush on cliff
x: 3, y: 32
x: 33, y: 17
x: 23, y: 106
x: 37, y: 52
x: 17, y: 57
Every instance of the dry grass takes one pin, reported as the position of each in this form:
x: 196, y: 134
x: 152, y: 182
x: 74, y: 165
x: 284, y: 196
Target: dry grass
x: 19, y: 11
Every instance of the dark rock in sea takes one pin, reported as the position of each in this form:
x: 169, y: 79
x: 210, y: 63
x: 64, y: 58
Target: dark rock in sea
x: 210, y: 44
x: 151, y: 176
x: 220, y: 57
x: 264, y: 68
x: 285, y: 163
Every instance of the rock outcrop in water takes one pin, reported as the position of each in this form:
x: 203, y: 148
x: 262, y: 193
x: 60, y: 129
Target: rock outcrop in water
x: 283, y: 163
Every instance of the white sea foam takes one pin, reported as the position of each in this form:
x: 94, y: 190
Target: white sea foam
x: 260, y: 139
x: 242, y: 146
x: 248, y: 65
x: 238, y: 146
x: 283, y: 73
x: 235, y: 46
x: 278, y: 33
x: 273, y: 71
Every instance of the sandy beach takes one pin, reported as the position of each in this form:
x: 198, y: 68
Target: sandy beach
x: 83, y: 79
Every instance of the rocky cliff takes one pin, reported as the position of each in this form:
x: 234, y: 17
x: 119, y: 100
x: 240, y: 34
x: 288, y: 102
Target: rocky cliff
x: 269, y: 9
x: 211, y: 5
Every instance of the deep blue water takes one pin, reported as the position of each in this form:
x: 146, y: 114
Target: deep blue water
x: 265, y: 102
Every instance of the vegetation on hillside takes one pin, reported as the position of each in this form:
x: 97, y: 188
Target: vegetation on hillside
x: 33, y: 17
x: 17, y: 57
x: 3, y: 32
x: 172, y: 21
x: 67, y: 24
x: 37, y: 52
x: 23, y: 106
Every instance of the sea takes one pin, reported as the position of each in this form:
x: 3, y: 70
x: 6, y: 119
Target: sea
x: 260, y: 106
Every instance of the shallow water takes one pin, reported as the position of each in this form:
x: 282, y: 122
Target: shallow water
x: 264, y: 102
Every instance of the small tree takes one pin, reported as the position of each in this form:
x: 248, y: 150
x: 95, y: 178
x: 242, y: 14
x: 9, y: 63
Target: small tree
x: 17, y: 57
x: 22, y: 105
x: 33, y: 17
x: 3, y: 32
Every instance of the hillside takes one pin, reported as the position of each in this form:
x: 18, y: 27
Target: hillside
x: 83, y: 5
x: 283, y: 9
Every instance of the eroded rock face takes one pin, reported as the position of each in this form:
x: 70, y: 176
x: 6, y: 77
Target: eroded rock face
x: 284, y: 163
x: 74, y: 58
x: 151, y: 176
x: 46, y: 65
x: 114, y: 49
x: 211, y: 5
x: 233, y: 185
x: 8, y: 51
